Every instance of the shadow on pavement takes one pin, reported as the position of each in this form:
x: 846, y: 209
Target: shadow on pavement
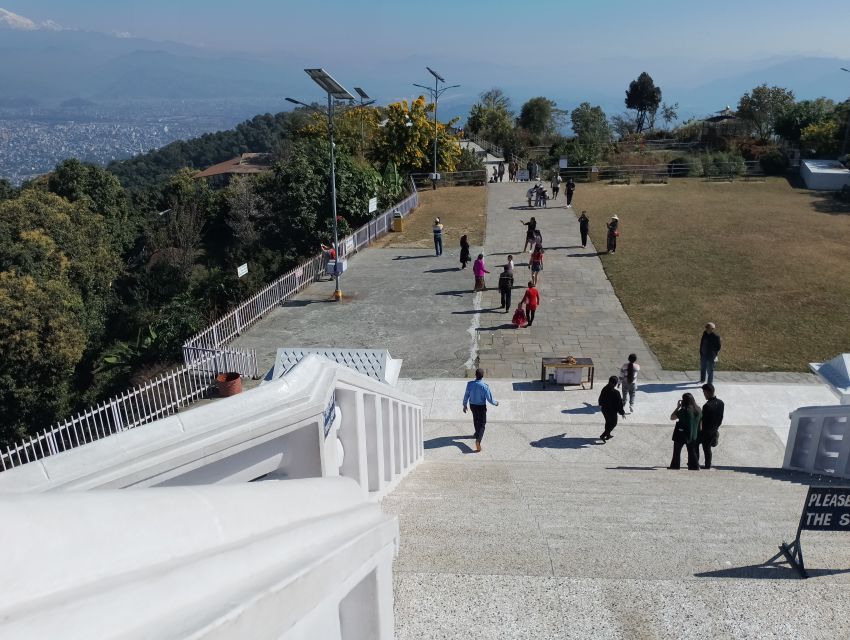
x: 783, y: 475
x: 442, y: 270
x: 304, y: 303
x: 768, y: 570
x: 430, y: 255
x: 450, y: 441
x: 587, y: 410
x: 632, y: 468
x: 594, y: 254
x: 453, y: 293
x: 535, y: 385
x: 664, y: 387
x: 562, y: 442
x: 497, y: 327
x: 469, y: 312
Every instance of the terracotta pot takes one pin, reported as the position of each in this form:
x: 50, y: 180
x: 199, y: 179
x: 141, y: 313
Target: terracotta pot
x: 228, y: 384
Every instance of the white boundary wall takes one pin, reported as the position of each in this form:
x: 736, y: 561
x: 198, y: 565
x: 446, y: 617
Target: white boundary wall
x: 286, y: 560
x: 819, y: 441
x: 319, y: 420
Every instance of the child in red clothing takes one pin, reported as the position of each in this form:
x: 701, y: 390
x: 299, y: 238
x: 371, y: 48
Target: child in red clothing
x: 519, y: 320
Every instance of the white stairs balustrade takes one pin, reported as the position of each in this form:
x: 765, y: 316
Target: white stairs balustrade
x: 819, y: 441
x: 277, y: 560
x: 319, y: 420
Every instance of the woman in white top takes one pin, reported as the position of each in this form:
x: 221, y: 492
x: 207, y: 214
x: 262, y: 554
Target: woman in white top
x: 628, y: 380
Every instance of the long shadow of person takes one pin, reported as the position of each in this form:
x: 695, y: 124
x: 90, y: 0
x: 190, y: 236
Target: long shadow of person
x: 563, y: 442
x: 587, y: 409
x: 449, y: 441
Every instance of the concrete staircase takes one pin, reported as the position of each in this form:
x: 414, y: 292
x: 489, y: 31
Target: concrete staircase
x: 549, y: 534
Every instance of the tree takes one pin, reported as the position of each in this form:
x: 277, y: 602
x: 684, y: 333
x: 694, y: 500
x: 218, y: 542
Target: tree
x: 355, y: 128
x: 623, y: 125
x: 821, y: 138
x: 407, y: 138
x: 643, y: 97
x: 791, y: 122
x: 763, y: 106
x: 539, y: 116
x: 6, y: 189
x: 246, y: 210
x: 592, y: 133
x: 491, y: 117
x: 669, y: 113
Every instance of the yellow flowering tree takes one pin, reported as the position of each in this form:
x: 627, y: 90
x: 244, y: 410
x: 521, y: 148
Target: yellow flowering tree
x: 355, y: 128
x: 406, y: 138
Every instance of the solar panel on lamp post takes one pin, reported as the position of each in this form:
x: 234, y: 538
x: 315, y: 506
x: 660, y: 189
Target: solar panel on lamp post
x: 436, y: 92
x: 335, y: 91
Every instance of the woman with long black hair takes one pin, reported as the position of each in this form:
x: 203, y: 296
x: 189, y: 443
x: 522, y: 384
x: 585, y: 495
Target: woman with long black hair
x: 686, y: 432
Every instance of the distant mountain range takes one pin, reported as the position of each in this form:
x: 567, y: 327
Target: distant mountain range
x: 49, y: 64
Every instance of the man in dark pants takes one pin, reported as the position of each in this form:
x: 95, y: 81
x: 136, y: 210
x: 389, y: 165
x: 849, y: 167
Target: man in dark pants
x: 709, y: 347
x: 583, y: 228
x: 570, y: 188
x: 611, y: 403
x: 477, y: 396
x: 712, y: 418
x: 438, y: 236
x: 506, y: 283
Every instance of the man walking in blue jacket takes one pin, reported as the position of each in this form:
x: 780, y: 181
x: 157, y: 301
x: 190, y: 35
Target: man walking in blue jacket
x: 477, y: 396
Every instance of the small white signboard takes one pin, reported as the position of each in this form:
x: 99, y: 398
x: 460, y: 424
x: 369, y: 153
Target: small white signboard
x: 349, y: 245
x: 564, y: 162
x: 522, y: 175
x: 242, y: 270
x: 373, y: 205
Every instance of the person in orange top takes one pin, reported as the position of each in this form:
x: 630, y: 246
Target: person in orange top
x: 532, y: 301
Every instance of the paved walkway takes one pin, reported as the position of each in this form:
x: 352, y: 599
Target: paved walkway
x: 423, y: 310
x: 549, y: 535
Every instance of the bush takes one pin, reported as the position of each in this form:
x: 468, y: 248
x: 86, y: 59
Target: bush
x: 684, y: 167
x: 720, y: 164
x: 774, y: 162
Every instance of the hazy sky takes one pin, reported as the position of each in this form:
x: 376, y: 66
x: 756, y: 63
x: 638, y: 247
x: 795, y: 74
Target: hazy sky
x: 376, y: 29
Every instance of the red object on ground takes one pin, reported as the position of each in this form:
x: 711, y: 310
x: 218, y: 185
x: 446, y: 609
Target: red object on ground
x: 229, y: 384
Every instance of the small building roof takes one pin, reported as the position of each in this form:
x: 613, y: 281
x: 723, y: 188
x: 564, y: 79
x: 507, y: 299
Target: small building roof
x: 241, y: 164
x: 375, y: 363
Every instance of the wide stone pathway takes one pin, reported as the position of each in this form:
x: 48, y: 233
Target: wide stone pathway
x: 548, y: 534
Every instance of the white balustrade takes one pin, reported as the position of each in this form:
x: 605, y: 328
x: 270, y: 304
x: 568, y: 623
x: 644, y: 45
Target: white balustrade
x: 321, y: 419
x: 278, y: 560
x: 819, y: 441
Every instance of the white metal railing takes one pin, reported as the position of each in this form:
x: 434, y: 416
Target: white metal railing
x: 819, y: 441
x: 157, y: 398
x: 232, y: 324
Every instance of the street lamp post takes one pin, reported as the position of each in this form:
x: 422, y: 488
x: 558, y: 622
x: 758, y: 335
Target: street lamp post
x: 847, y: 126
x: 365, y: 101
x: 436, y: 92
x: 335, y: 91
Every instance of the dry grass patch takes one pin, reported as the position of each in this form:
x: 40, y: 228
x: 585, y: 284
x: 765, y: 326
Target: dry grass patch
x: 460, y: 209
x: 768, y: 263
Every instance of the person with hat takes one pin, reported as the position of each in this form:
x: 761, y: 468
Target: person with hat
x: 709, y: 348
x: 438, y: 236
x: 613, y: 233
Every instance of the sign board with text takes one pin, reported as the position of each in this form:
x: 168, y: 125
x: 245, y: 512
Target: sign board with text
x: 373, y: 205
x: 242, y: 270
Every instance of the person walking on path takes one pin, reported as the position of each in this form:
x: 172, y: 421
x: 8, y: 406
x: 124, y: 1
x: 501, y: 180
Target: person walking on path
x: 506, y: 284
x: 536, y: 263
x: 613, y: 233
x: 529, y: 233
x: 495, y: 176
x: 570, y: 189
x: 477, y: 396
x: 583, y: 228
x: 501, y: 171
x: 531, y: 300
x: 438, y: 236
x: 556, y: 184
x: 628, y: 380
x: 709, y: 349
x: 712, y: 418
x: 478, y: 270
x: 464, y: 251
x: 686, y: 432
x: 612, y: 405
x: 510, y: 264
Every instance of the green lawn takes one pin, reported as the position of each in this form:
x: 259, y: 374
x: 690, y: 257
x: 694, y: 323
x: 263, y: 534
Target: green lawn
x: 768, y: 263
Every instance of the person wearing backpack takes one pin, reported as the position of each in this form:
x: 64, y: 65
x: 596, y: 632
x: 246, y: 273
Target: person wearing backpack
x: 628, y: 380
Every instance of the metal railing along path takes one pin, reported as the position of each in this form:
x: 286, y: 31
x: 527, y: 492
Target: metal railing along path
x: 158, y: 398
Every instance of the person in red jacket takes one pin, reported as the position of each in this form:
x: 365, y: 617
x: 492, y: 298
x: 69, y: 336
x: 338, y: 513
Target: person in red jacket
x: 531, y: 299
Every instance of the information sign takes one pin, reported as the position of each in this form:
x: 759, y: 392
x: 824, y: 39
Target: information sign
x: 242, y: 270
x: 373, y: 205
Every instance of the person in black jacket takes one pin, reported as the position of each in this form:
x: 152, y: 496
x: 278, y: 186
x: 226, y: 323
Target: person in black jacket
x: 712, y: 418
x: 583, y: 228
x: 611, y: 404
x: 506, y: 283
x: 709, y: 347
